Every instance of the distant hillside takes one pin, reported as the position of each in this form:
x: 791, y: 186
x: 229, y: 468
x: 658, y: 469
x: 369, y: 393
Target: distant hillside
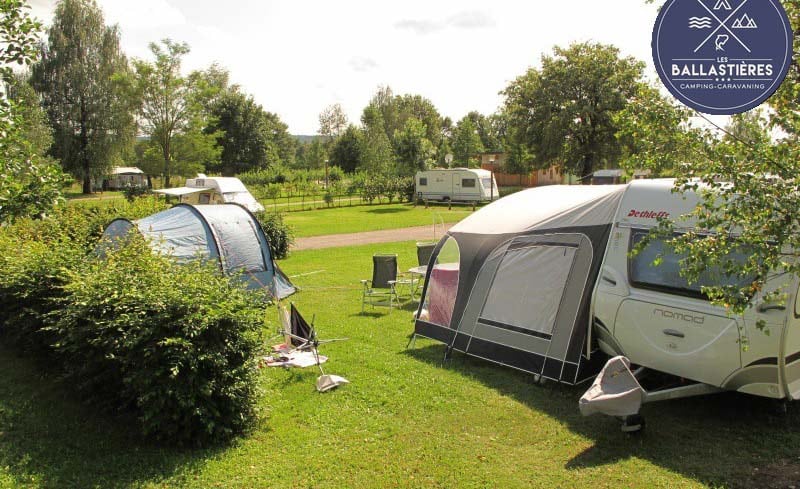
x: 305, y: 139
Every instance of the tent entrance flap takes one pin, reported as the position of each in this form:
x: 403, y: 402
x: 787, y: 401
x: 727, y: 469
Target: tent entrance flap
x: 526, y: 303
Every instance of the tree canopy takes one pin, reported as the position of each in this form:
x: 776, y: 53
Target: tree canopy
x: 564, y: 111
x: 171, y: 112
x: 29, y: 184
x: 79, y: 79
x: 250, y: 137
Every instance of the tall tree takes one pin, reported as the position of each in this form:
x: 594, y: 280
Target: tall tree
x: 395, y: 111
x: 78, y: 79
x: 377, y: 156
x: 564, y: 111
x: 414, y: 151
x: 172, y: 112
x: 346, y: 152
x: 490, y: 129
x: 29, y: 184
x: 466, y: 142
x: 247, y: 134
x: 284, y: 144
x: 332, y: 122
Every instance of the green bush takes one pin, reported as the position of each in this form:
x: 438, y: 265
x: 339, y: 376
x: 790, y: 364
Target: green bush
x: 278, y: 233
x: 335, y: 174
x: 132, y: 192
x: 33, y: 274
x: 83, y: 224
x: 176, y: 343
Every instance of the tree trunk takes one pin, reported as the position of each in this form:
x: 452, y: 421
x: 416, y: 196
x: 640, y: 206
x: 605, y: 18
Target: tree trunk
x: 166, y: 163
x: 86, y: 167
x: 586, y: 170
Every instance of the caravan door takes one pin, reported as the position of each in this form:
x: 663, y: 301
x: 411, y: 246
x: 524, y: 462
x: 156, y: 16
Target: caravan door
x: 666, y: 324
x: 523, y: 310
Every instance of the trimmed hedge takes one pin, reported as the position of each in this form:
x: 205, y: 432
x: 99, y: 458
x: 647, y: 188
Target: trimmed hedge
x: 32, y: 277
x: 174, y: 344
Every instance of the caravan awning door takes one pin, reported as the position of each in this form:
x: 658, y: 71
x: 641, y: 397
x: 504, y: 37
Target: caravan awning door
x: 527, y: 303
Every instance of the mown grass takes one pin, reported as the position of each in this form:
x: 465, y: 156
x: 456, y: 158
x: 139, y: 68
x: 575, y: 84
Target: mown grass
x: 370, y: 218
x: 406, y: 419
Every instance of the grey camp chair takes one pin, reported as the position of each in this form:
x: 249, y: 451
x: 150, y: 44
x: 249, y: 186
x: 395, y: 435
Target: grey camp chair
x: 424, y: 252
x: 382, y: 289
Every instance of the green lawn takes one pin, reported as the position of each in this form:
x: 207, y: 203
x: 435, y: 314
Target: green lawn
x: 370, y: 218
x: 406, y: 420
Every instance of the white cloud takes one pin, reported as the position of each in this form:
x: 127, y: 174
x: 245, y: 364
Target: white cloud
x: 362, y: 64
x: 471, y: 20
x: 420, y: 26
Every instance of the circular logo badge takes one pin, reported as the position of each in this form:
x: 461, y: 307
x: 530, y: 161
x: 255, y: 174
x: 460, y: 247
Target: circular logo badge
x: 722, y: 57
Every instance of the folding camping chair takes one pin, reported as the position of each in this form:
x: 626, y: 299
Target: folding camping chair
x: 424, y: 252
x: 382, y: 289
x: 300, y: 336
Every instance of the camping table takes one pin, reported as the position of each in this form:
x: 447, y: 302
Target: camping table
x: 417, y: 276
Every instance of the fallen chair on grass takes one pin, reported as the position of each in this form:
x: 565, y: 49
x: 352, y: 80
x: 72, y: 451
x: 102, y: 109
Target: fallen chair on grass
x: 300, y: 339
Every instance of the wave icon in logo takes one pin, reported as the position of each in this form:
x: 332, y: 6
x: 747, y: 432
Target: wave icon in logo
x: 699, y: 22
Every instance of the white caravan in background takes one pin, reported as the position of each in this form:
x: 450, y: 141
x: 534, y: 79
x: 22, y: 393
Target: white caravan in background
x: 214, y: 190
x: 457, y: 185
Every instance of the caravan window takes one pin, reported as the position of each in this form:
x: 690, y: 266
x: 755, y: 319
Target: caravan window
x: 486, y: 182
x: 440, y: 297
x: 667, y: 276
x: 423, y: 181
x: 468, y: 182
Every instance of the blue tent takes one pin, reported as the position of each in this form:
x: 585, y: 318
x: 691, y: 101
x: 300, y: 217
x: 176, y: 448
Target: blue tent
x: 228, y: 233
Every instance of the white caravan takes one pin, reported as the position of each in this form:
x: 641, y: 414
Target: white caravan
x: 214, y: 190
x: 456, y: 184
x: 543, y: 281
x: 653, y: 317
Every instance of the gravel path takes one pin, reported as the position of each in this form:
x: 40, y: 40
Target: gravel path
x: 420, y: 233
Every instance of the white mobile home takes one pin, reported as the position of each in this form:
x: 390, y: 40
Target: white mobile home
x: 122, y: 176
x: 543, y: 281
x: 456, y: 184
x: 214, y: 190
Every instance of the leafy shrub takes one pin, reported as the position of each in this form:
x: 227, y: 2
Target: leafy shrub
x: 278, y: 233
x: 176, y: 343
x: 404, y: 186
x: 132, y: 192
x: 83, y: 224
x: 335, y: 174
x: 31, y: 288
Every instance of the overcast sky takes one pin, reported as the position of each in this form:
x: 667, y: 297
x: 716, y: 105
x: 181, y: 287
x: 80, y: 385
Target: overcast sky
x: 297, y: 57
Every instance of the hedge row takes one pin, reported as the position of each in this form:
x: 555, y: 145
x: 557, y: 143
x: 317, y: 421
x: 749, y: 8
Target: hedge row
x: 176, y: 345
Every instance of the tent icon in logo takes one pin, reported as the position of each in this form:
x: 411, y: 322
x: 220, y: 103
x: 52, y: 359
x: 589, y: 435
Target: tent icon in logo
x: 722, y: 5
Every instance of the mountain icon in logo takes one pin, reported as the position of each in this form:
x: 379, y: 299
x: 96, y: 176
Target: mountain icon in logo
x: 745, y: 22
x: 699, y: 22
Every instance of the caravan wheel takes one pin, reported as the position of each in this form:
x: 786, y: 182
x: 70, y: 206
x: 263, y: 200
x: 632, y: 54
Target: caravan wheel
x: 633, y: 424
